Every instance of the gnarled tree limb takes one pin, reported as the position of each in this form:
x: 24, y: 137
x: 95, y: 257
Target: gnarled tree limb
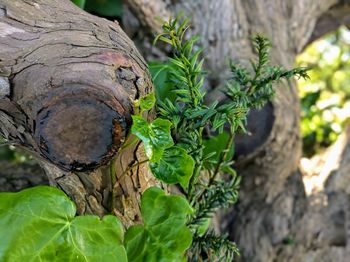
x: 68, y: 81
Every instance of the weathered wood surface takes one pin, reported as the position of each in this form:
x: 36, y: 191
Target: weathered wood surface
x: 275, y: 220
x: 68, y: 81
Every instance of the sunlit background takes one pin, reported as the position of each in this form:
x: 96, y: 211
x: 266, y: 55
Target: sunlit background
x: 325, y: 96
x: 325, y: 100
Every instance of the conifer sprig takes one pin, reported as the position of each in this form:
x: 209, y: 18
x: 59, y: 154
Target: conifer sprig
x: 213, y: 247
x: 247, y: 88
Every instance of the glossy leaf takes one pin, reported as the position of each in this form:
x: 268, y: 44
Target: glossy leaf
x: 176, y: 166
x: 164, y: 235
x: 39, y: 224
x: 155, y: 136
x: 147, y: 102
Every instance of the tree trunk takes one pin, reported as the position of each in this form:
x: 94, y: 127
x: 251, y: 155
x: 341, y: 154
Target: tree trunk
x: 67, y: 78
x: 275, y: 220
x: 68, y: 81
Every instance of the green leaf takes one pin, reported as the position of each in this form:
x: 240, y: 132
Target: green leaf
x: 80, y: 3
x: 38, y: 224
x: 164, y: 235
x: 147, y: 102
x: 155, y: 136
x: 176, y: 166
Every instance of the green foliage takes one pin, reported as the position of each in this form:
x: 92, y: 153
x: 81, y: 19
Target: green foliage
x: 38, y: 224
x: 175, y: 166
x: 105, y: 8
x: 155, y: 136
x: 161, y: 74
x: 185, y: 144
x: 180, y: 99
x: 37, y: 230
x: 146, y: 103
x: 219, y: 196
x: 325, y: 98
x: 213, y: 245
x: 164, y: 235
x: 213, y: 146
x: 80, y: 3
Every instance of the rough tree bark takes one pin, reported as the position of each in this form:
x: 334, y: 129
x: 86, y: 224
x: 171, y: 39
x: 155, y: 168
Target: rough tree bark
x: 52, y: 49
x: 68, y: 81
x: 275, y: 220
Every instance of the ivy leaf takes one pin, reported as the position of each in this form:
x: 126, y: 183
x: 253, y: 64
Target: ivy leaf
x: 164, y: 233
x: 147, y: 102
x: 176, y: 166
x: 155, y: 136
x: 38, y: 224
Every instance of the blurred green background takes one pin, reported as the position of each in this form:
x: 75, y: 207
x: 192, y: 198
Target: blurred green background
x: 14, y: 155
x: 106, y: 8
x: 325, y: 97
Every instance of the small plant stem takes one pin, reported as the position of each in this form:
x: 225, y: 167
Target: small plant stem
x: 190, y: 86
x: 198, y: 165
x: 194, y: 177
x: 222, y: 158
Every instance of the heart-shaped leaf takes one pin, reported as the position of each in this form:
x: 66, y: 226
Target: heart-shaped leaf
x: 155, y: 136
x: 147, y: 102
x: 164, y: 234
x: 176, y: 166
x: 39, y: 224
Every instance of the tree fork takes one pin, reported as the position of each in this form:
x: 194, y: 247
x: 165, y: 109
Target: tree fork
x: 68, y: 80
